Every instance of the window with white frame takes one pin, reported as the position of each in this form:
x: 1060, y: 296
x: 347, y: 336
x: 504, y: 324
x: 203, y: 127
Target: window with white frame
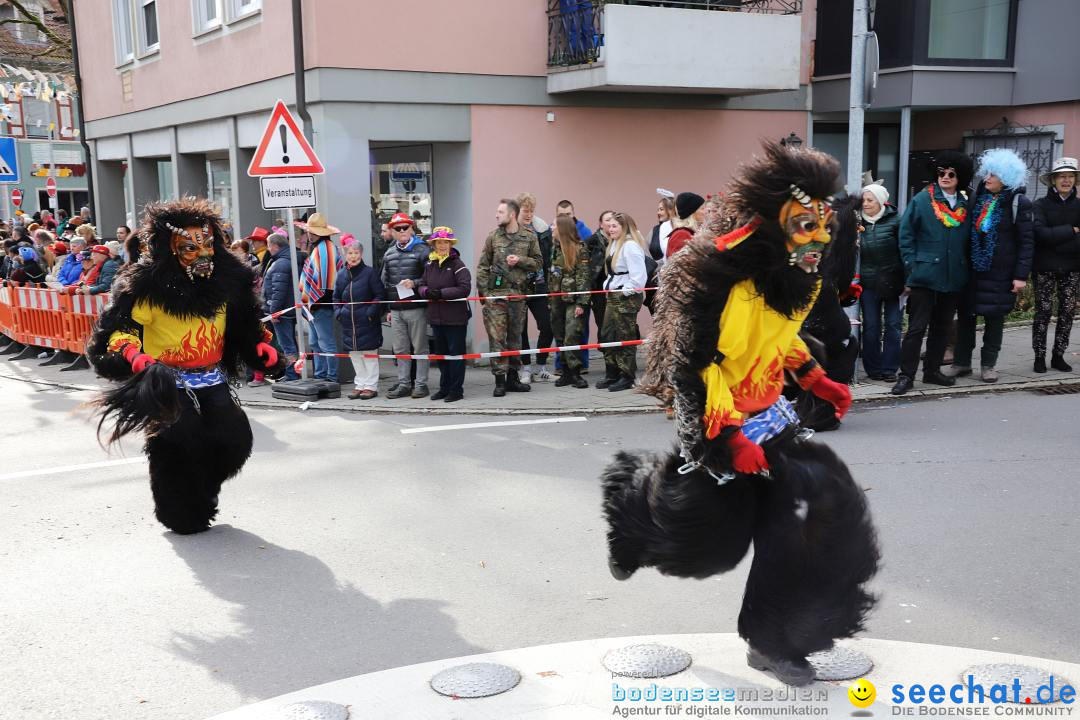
x: 146, y: 17
x: 205, y: 15
x: 242, y: 8
x: 122, y: 36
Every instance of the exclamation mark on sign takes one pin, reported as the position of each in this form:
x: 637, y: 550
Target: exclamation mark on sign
x: 284, y: 145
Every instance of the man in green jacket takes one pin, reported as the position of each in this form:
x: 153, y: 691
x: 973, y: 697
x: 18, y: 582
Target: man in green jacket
x: 510, y: 253
x: 933, y: 243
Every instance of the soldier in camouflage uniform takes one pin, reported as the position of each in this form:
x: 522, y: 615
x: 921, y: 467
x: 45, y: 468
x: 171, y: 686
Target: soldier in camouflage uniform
x: 510, y: 254
x: 568, y: 313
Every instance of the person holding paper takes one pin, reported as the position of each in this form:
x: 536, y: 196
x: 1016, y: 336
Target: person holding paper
x: 402, y: 266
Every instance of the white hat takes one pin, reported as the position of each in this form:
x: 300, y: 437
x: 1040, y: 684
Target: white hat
x: 879, y: 192
x: 1062, y: 164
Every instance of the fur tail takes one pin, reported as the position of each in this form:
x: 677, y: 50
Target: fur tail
x: 814, y: 550
x: 147, y: 401
x: 683, y: 525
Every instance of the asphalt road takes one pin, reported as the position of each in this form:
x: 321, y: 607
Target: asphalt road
x: 347, y: 547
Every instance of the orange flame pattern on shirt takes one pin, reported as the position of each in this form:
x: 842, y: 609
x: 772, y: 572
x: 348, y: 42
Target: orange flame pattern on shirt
x: 760, y: 388
x: 202, y: 350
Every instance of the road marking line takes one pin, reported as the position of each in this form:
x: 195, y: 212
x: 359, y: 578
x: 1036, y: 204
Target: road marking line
x: 72, y: 468
x: 502, y: 423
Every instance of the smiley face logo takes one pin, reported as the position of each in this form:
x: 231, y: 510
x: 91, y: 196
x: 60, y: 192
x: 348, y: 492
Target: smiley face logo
x: 862, y: 693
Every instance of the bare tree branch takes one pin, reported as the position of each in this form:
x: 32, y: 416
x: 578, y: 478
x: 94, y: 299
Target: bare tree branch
x: 30, y: 18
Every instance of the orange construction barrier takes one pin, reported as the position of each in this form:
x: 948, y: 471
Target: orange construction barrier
x: 7, y: 314
x: 39, y: 317
x: 81, y: 312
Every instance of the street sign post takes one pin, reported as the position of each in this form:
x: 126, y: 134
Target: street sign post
x: 9, y: 160
x: 287, y: 191
x: 283, y: 153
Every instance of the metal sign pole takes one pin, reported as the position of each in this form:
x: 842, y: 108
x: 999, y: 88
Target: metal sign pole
x: 7, y: 203
x: 53, y: 127
x: 301, y: 321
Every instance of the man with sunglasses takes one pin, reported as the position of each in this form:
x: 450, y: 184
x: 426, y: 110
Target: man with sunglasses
x: 934, y: 233
x: 402, y: 266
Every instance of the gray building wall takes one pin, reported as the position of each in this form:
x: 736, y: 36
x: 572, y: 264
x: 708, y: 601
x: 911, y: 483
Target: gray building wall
x: 1047, y: 43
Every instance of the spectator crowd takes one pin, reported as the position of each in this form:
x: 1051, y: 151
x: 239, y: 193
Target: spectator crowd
x: 955, y: 255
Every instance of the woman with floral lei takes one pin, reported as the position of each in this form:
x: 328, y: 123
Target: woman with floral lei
x: 725, y: 334
x: 182, y: 322
x: 1002, y: 247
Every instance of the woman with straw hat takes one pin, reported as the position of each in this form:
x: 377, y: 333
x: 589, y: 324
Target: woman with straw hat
x: 317, y: 291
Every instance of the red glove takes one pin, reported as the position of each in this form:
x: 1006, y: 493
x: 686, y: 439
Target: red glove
x: 268, y: 354
x: 138, y: 359
x: 746, y: 457
x: 834, y: 392
x: 855, y: 291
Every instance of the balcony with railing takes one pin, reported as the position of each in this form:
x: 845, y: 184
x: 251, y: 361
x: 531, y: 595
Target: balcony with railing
x: 726, y: 47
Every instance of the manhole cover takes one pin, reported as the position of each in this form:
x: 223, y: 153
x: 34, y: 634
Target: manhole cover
x: 475, y: 680
x: 840, y: 663
x: 646, y: 661
x: 314, y: 710
x: 1005, y: 673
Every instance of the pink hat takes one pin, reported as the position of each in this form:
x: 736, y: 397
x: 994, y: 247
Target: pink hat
x: 347, y: 239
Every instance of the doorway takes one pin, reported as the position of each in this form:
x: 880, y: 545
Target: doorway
x: 401, y: 181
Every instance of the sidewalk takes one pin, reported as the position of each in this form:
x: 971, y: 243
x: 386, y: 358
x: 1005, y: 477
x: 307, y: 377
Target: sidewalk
x: 546, y: 399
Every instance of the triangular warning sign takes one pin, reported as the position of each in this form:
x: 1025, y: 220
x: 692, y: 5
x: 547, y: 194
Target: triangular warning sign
x: 4, y: 169
x: 283, y: 150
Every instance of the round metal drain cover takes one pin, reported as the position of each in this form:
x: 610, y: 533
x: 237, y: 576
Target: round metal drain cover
x: 840, y: 663
x: 646, y: 661
x: 475, y: 680
x: 1005, y: 673
x: 314, y: 710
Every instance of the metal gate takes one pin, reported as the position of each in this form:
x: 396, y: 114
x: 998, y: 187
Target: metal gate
x: 1036, y: 149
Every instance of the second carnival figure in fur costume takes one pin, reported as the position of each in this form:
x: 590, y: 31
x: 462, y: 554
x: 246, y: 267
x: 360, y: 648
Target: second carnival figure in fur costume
x: 725, y: 332
x: 181, y: 323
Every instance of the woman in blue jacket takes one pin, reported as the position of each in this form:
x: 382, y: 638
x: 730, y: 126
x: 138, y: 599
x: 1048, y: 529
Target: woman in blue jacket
x: 361, y: 326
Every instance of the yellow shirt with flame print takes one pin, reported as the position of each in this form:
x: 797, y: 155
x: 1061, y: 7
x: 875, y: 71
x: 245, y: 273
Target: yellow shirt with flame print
x: 193, y: 342
x: 758, y: 344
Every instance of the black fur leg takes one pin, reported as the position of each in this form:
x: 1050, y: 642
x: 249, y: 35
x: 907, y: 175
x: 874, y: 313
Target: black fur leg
x: 191, y: 459
x: 814, y: 549
x: 683, y: 525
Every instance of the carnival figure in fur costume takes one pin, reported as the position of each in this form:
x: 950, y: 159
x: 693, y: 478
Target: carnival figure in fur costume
x: 725, y: 332
x: 827, y: 328
x: 183, y: 321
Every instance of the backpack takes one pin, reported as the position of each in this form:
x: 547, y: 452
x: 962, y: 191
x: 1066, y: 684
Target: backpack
x: 652, y: 275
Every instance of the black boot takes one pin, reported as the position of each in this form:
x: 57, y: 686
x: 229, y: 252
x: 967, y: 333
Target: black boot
x: 1058, y: 363
x: 564, y: 379
x: 513, y: 384
x: 500, y: 385
x: 1040, y: 364
x: 625, y: 382
x: 611, y: 376
x: 579, y: 382
x: 903, y: 384
x: 790, y: 672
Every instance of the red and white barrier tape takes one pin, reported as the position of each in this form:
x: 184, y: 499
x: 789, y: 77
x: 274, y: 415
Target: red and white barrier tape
x: 305, y: 308
x: 478, y: 356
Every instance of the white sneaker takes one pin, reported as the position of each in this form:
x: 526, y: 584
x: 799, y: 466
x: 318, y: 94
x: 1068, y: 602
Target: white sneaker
x: 524, y: 377
x: 541, y: 374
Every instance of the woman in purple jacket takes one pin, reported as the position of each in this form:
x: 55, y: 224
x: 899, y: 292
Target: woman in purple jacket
x: 447, y: 278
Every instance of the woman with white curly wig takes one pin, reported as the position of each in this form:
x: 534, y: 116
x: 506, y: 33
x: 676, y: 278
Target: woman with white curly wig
x: 1000, y: 253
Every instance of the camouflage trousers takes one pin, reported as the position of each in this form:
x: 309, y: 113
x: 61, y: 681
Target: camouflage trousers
x: 503, y: 321
x: 568, y: 329
x: 620, y: 323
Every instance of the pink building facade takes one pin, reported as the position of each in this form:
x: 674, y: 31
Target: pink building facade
x: 439, y: 109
